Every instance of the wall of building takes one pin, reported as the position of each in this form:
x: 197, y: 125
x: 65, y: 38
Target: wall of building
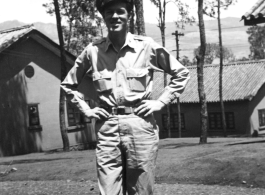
x: 43, y: 88
x: 240, y: 110
x: 192, y: 119
x: 14, y: 135
x: 257, y: 103
x: 17, y: 91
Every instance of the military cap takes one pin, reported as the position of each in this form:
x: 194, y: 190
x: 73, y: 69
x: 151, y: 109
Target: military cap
x: 100, y: 4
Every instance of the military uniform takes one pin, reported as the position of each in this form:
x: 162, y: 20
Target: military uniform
x: 127, y: 144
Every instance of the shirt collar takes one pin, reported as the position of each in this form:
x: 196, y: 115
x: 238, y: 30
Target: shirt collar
x: 129, y: 41
x: 107, y: 44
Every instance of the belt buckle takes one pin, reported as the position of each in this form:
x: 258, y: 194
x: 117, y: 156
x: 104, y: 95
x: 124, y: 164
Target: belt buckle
x: 121, y: 110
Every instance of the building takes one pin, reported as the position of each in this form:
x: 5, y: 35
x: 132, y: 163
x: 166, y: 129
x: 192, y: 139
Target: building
x: 256, y: 15
x: 243, y: 95
x: 29, y: 101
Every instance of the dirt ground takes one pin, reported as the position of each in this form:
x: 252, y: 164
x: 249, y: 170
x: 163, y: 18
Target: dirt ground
x: 90, y: 188
x: 224, y: 163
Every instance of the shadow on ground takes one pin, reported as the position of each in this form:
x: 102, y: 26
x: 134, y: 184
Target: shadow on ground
x: 249, y: 142
x: 31, y: 161
x: 180, y: 145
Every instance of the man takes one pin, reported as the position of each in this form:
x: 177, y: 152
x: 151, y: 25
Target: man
x: 122, y: 67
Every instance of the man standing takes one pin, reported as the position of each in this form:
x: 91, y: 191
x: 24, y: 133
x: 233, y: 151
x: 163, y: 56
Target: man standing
x: 122, y: 67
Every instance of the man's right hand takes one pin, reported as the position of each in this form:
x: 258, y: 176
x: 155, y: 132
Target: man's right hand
x: 97, y: 113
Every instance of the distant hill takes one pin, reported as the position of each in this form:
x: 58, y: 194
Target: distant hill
x: 234, y: 35
x: 10, y: 24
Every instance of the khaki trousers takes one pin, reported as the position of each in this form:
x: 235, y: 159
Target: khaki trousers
x: 126, y: 153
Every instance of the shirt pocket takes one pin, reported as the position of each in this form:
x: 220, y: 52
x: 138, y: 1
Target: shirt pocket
x: 102, y: 80
x: 137, y: 79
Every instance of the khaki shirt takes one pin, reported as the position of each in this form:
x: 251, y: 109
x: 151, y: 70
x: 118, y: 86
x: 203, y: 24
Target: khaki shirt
x: 125, y: 77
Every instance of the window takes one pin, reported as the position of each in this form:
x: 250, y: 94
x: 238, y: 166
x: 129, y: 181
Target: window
x: 29, y: 71
x: 215, y: 120
x: 74, y: 115
x: 230, y: 120
x: 262, y: 117
x: 34, y: 119
x: 173, y: 121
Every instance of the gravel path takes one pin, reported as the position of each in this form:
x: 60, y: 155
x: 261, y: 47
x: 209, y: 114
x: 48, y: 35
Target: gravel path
x: 89, y: 187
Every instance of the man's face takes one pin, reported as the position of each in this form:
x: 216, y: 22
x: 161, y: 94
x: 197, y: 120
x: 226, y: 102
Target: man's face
x: 116, y: 17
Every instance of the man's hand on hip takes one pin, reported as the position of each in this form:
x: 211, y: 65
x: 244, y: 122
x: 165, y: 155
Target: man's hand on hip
x: 97, y: 113
x: 147, y: 107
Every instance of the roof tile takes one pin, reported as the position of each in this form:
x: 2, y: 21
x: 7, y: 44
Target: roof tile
x: 241, y: 81
x: 256, y: 14
x: 8, y: 37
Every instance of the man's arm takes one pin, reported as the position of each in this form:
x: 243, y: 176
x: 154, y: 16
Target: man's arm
x: 71, y: 83
x: 161, y: 59
x: 180, y: 75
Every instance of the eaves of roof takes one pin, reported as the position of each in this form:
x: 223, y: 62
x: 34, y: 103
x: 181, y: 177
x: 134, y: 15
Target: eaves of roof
x: 256, y: 14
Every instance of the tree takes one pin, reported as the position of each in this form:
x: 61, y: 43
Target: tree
x: 131, y: 21
x: 63, y: 74
x: 213, y: 52
x: 242, y: 59
x: 221, y: 70
x: 186, y: 61
x: 183, y: 12
x: 220, y: 4
x: 139, y: 17
x: 200, y: 62
x: 77, y: 14
x: 137, y: 27
x: 257, y: 42
x: 161, y: 5
x: 82, y: 24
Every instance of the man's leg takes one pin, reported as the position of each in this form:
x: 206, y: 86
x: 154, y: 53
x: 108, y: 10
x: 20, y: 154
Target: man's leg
x: 141, y: 145
x: 109, y: 159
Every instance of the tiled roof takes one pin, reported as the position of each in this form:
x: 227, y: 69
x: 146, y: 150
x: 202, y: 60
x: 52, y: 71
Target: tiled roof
x: 10, y: 36
x: 241, y: 81
x: 256, y: 14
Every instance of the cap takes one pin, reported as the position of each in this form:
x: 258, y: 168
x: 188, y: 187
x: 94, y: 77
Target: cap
x: 100, y: 4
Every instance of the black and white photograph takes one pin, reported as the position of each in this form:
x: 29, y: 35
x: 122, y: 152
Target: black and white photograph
x: 132, y: 97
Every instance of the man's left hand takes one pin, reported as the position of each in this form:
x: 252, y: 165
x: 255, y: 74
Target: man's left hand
x: 147, y: 107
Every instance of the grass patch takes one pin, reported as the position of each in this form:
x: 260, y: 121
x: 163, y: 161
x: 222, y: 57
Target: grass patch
x: 223, y: 161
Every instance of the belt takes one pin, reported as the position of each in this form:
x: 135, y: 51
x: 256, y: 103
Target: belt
x: 121, y: 110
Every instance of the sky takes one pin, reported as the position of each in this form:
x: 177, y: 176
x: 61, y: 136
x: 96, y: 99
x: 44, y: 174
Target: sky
x: 30, y: 11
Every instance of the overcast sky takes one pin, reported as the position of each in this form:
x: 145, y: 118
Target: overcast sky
x: 30, y: 11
